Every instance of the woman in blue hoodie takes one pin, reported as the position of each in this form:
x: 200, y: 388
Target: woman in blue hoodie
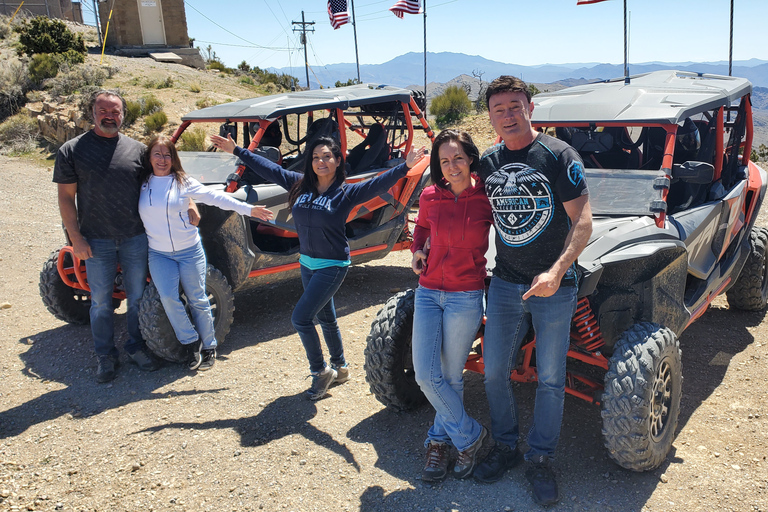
x: 320, y: 202
x: 175, y: 251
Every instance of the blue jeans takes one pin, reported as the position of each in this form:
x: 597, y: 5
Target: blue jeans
x: 131, y: 254
x: 444, y: 326
x: 317, y: 301
x: 186, y: 267
x: 508, y: 318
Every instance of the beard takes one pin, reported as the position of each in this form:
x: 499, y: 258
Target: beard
x: 109, y: 127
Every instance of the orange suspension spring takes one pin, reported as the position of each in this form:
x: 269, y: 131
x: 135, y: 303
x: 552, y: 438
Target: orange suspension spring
x: 585, y: 332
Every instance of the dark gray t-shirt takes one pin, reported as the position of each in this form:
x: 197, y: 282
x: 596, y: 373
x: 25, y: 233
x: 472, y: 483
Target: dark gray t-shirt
x: 106, y: 171
x: 527, y: 189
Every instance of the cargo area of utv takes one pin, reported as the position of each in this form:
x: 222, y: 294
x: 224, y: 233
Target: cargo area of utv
x: 375, y: 126
x: 674, y: 198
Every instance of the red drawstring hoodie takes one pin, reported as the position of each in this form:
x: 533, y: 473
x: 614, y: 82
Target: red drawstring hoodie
x: 457, y: 228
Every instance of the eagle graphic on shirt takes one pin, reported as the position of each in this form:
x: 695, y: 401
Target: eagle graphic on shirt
x: 522, y: 202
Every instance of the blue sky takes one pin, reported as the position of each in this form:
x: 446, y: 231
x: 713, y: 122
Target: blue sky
x: 527, y: 32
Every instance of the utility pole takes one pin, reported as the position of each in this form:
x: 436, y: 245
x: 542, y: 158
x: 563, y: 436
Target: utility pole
x: 97, y: 18
x: 304, y: 31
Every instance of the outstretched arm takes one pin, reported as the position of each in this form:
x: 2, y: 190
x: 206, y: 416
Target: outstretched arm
x: 264, y: 167
x: 362, y: 192
x: 580, y: 213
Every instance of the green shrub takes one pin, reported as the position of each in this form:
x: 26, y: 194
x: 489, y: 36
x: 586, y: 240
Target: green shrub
x: 18, y: 134
x: 43, y: 66
x: 72, y: 79
x: 5, y: 27
x: 132, y: 112
x: 193, y: 140
x: 159, y: 84
x: 195, y: 87
x: 450, y: 106
x: 150, y: 105
x: 205, y: 102
x: 14, y: 83
x: 246, y: 80
x: 219, y: 66
x: 155, y: 122
x: 72, y: 57
x: 759, y: 154
x: 45, y: 35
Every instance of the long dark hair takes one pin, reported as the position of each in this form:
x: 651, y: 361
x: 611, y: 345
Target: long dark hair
x: 308, y: 184
x: 467, y: 144
x: 178, y: 172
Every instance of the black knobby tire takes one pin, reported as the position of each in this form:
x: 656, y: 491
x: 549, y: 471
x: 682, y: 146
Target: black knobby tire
x: 68, y: 304
x: 750, y: 291
x: 641, y: 400
x: 388, y: 361
x: 157, y: 331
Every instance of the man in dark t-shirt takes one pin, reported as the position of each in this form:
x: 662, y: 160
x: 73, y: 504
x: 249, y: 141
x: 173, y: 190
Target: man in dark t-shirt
x: 98, y: 181
x: 535, y: 184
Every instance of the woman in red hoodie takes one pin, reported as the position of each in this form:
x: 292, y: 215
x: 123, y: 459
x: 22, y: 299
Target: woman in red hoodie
x: 455, y: 215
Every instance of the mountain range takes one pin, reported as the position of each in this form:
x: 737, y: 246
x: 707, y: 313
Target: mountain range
x: 443, y: 67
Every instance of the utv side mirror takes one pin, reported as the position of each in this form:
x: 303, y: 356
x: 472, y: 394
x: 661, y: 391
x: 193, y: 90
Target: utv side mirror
x: 697, y: 173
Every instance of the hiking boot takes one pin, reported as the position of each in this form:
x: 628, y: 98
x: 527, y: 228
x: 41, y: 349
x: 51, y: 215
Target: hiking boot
x: 436, y: 468
x: 321, y: 381
x: 208, y: 357
x: 195, y: 354
x: 342, y: 373
x: 106, y: 370
x: 144, y: 360
x: 543, y: 481
x: 465, y: 464
x: 501, y: 458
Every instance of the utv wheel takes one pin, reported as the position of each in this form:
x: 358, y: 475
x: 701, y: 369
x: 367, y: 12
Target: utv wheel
x: 157, y: 330
x: 68, y: 304
x: 750, y: 292
x: 641, y: 401
x: 388, y: 361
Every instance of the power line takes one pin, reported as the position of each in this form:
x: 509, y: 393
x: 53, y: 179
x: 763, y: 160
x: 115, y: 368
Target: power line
x: 276, y: 49
x: 255, y: 45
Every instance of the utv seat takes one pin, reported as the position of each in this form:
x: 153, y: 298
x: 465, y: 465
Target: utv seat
x: 370, y: 153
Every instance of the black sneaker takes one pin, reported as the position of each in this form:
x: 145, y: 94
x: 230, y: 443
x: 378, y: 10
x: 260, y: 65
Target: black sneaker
x: 208, y: 357
x: 195, y: 354
x: 543, y: 481
x: 107, y: 368
x: 436, y: 467
x: 501, y: 458
x: 144, y: 360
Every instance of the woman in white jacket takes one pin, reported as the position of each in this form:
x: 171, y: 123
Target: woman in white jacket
x: 175, y: 250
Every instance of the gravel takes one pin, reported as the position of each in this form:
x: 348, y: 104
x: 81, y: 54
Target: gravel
x: 242, y: 437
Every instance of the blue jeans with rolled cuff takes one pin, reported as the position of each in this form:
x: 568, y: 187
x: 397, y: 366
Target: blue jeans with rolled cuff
x: 444, y: 326
x: 317, y: 302
x: 131, y: 254
x: 508, y: 318
x: 188, y: 268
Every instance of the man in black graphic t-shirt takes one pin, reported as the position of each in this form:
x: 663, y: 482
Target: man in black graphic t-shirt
x: 535, y: 184
x: 98, y: 180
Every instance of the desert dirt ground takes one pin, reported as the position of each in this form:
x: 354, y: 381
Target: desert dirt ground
x: 242, y: 437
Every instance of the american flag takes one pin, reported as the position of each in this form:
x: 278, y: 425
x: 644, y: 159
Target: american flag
x: 585, y: 2
x: 406, y: 7
x: 337, y: 12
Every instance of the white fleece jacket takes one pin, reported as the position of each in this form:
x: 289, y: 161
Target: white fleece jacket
x: 163, y: 206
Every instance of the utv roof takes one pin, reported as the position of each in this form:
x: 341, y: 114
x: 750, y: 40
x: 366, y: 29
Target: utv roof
x: 657, y: 97
x: 271, y: 107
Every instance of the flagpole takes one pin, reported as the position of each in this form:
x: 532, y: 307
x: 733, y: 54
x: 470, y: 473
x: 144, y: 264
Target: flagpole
x: 730, y: 47
x: 425, y: 51
x: 354, y: 28
x: 626, y: 66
